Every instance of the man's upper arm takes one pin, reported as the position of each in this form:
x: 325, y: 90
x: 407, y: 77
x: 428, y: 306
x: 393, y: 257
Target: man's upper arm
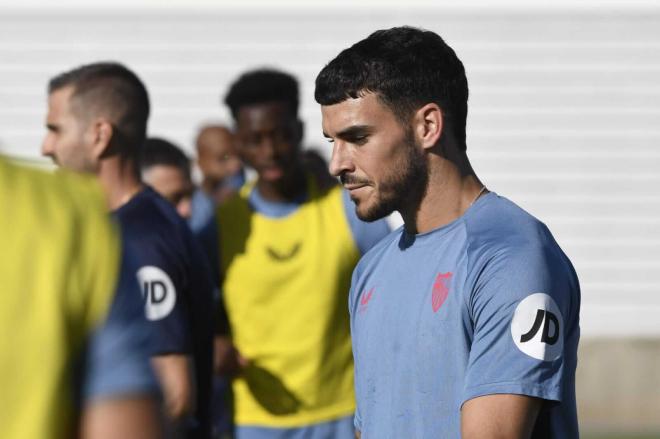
x: 519, y: 308
x: 124, y: 418
x: 117, y: 356
x: 175, y: 372
x: 163, y: 285
x: 499, y: 417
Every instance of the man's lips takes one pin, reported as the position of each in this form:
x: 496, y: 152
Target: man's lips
x: 272, y: 170
x: 352, y: 187
x: 351, y: 183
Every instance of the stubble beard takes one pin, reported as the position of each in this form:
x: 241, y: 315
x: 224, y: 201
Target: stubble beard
x: 403, y: 188
x: 77, y: 161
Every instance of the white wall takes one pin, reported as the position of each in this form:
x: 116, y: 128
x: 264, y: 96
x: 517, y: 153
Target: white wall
x: 564, y: 106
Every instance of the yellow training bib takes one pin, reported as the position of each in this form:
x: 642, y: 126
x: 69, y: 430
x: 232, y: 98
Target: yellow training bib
x: 285, y: 287
x: 58, y: 268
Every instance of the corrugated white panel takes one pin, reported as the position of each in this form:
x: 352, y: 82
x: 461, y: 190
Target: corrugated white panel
x: 564, y: 108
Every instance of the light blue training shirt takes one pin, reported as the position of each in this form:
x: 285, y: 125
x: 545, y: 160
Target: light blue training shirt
x: 488, y: 304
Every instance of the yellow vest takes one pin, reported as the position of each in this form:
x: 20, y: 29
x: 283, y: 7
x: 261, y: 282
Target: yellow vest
x: 58, y: 266
x: 285, y: 287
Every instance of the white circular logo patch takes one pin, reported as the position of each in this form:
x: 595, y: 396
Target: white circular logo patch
x: 537, y: 327
x: 158, y: 292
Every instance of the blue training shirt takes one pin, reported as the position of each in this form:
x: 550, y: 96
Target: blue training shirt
x: 488, y: 304
x: 176, y: 288
x: 116, y: 359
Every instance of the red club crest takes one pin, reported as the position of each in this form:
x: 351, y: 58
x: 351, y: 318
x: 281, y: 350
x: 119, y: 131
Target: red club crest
x: 440, y: 290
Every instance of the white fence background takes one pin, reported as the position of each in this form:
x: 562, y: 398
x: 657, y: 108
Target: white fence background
x: 564, y: 107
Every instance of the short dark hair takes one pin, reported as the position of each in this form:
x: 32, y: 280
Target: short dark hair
x: 157, y: 151
x: 406, y: 68
x: 113, y: 89
x: 262, y: 86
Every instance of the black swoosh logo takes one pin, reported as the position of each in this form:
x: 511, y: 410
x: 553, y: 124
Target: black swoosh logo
x: 283, y: 256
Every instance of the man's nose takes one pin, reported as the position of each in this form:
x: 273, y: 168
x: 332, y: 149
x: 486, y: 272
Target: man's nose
x: 341, y: 160
x: 268, y: 147
x: 47, y: 149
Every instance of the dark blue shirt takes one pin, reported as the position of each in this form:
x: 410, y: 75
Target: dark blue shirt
x: 176, y: 289
x: 116, y: 361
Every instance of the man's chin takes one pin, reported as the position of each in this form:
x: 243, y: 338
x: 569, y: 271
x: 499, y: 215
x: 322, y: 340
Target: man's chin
x: 371, y: 213
x: 272, y: 174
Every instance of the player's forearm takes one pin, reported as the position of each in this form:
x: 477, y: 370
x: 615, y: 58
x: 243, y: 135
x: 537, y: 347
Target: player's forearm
x: 134, y: 417
x: 175, y: 375
x: 499, y: 417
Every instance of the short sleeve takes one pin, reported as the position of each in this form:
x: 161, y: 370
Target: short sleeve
x: 117, y: 358
x: 520, y: 304
x: 163, y: 285
x: 365, y: 234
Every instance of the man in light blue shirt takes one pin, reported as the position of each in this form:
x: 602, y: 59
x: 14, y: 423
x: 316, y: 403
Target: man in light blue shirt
x: 465, y: 320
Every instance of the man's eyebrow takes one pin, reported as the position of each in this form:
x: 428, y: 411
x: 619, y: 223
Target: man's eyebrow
x: 354, y: 131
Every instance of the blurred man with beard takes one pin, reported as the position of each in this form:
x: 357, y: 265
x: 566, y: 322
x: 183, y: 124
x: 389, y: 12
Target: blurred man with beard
x: 97, y: 120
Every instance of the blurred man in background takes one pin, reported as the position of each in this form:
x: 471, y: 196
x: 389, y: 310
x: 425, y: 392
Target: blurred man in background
x: 166, y: 168
x: 97, y: 119
x: 464, y: 321
x: 285, y: 251
x: 73, y: 355
x: 222, y: 174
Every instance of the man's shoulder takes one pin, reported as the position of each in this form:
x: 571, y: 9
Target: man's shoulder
x: 504, y: 238
x: 148, y: 213
x: 498, y: 224
x: 155, y: 232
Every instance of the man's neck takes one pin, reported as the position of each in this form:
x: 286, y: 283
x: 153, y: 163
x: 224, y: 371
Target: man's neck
x: 288, y: 188
x: 451, y: 191
x: 210, y: 186
x: 119, y: 180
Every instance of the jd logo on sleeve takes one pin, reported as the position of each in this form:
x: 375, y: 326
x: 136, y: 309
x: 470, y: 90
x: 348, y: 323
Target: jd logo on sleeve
x: 158, y: 292
x: 537, y: 327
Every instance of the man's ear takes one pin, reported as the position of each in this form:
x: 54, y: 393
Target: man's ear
x: 103, y: 132
x: 428, y: 125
